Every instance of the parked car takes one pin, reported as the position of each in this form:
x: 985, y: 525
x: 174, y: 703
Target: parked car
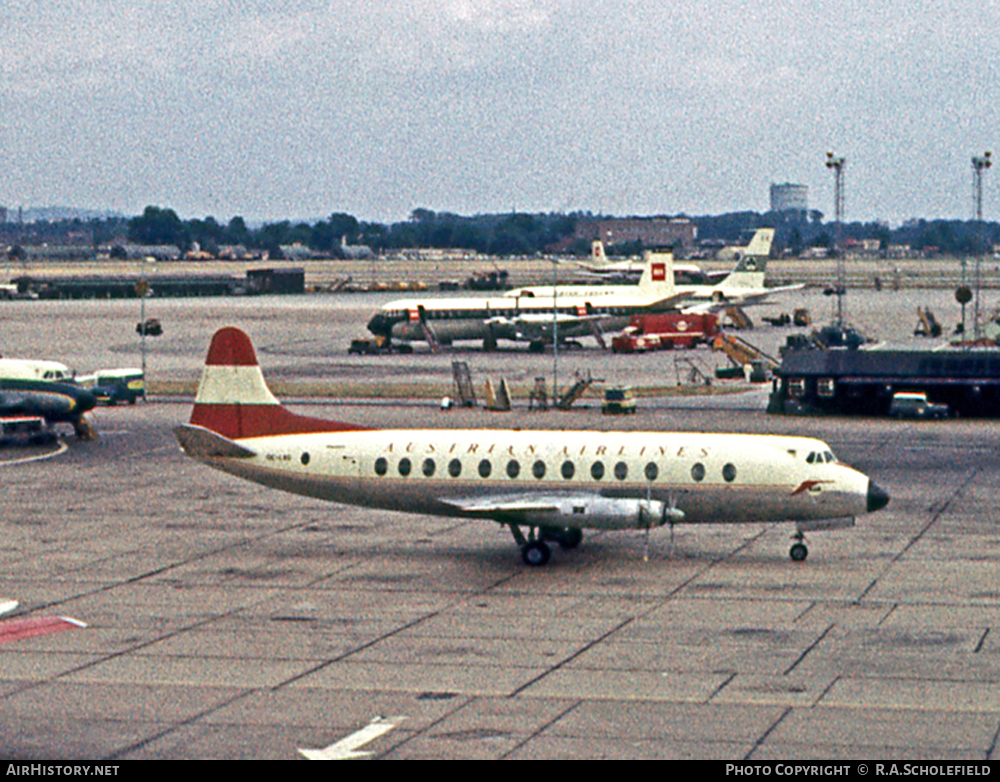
x: 151, y: 327
x: 914, y: 404
x: 618, y: 400
x: 112, y: 386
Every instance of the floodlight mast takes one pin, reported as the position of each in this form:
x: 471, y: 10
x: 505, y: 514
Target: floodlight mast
x: 980, y: 164
x: 836, y: 165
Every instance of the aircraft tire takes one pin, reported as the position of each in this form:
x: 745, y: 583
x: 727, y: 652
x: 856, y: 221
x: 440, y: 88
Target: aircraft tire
x: 570, y: 538
x: 798, y: 552
x: 536, y: 553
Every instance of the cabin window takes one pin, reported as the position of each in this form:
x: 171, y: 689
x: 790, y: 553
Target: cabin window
x: 429, y: 467
x: 305, y: 458
x: 485, y: 468
x: 729, y: 473
x: 513, y: 468
x: 797, y: 387
x: 597, y: 470
x: 568, y: 470
x: 381, y: 466
x: 621, y: 471
x: 652, y: 471
x: 825, y: 387
x: 404, y: 467
x: 538, y: 469
x: 698, y: 472
x: 454, y: 468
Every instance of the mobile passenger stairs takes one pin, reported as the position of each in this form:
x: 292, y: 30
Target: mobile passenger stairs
x: 741, y: 354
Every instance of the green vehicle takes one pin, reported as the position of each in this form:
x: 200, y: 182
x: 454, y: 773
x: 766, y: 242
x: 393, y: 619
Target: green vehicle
x: 618, y: 400
x: 112, y: 386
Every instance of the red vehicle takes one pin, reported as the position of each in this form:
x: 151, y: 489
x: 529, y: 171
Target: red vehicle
x: 666, y: 331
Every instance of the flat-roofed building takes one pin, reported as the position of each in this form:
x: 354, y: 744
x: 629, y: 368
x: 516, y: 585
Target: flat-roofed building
x: 651, y: 231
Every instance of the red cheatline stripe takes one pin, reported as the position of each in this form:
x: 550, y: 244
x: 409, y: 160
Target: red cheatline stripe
x: 231, y: 347
x: 31, y: 626
x: 236, y: 421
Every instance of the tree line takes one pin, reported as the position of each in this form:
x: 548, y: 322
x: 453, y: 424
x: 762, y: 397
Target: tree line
x: 494, y: 234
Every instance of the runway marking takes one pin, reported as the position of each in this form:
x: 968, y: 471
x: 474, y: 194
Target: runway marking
x: 346, y: 748
x: 62, y: 449
x: 7, y: 605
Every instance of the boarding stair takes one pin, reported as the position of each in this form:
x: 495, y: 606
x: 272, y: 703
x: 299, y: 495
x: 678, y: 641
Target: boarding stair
x: 463, y: 383
x: 738, y: 319
x: 425, y: 328
x: 497, y: 398
x: 927, y: 324
x: 538, y: 399
x: 583, y: 382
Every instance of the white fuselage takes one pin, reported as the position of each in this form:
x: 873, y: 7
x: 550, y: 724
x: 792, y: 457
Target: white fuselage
x: 533, y: 316
x: 737, y: 287
x: 568, y: 479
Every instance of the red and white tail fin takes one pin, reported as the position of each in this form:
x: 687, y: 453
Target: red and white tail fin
x: 657, y: 280
x: 233, y: 400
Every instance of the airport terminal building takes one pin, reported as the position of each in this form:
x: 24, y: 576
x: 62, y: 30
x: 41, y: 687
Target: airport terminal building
x: 863, y: 382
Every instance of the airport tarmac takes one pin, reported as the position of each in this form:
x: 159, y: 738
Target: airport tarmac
x: 304, y: 339
x: 226, y: 620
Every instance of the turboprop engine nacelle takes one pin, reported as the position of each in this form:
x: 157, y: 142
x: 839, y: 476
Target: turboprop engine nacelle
x: 605, y: 513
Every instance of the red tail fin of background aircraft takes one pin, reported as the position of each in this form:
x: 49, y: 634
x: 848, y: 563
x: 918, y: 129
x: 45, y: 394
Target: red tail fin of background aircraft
x: 233, y: 399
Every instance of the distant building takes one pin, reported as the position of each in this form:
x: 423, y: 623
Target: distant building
x: 787, y: 197
x: 651, y: 231
x: 3, y: 214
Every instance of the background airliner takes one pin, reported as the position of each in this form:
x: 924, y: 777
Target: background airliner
x: 744, y: 285
x: 530, y: 317
x: 543, y: 485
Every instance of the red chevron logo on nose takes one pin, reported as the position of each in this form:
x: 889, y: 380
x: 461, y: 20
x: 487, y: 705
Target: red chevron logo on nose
x: 807, y: 486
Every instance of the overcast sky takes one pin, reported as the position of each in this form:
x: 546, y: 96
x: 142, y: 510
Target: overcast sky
x: 275, y: 109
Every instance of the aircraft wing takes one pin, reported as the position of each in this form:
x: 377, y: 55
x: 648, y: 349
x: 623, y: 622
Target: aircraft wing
x: 669, y: 303
x: 540, y: 325
x: 19, y: 628
x: 747, y: 299
x: 490, y: 506
x: 786, y: 288
x: 202, y: 443
x: 567, y: 510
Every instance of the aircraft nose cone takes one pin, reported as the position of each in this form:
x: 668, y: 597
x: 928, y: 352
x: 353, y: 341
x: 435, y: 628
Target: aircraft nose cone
x: 878, y: 497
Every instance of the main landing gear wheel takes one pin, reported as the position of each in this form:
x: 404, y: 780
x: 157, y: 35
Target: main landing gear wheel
x: 536, y: 553
x: 798, y: 552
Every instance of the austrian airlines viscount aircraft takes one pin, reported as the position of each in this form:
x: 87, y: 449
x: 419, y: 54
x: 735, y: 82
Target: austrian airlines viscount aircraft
x: 543, y: 485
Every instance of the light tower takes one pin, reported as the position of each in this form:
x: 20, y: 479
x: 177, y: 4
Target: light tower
x: 836, y: 165
x: 979, y: 167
